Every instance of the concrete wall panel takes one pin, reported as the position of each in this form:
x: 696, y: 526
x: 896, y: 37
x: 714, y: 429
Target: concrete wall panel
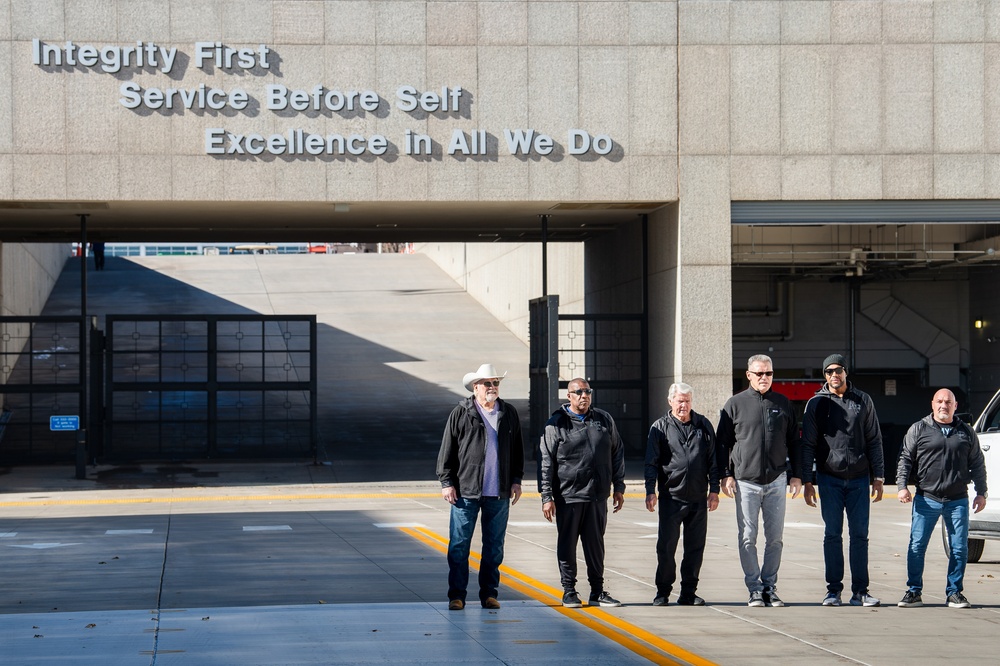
x: 806, y: 76
x: 756, y: 22
x: 755, y: 177
x: 653, y: 111
x: 958, y: 98
x: 909, y: 98
x: 907, y: 176
x: 148, y: 178
x: 503, y: 23
x: 652, y: 23
x: 452, y: 23
x: 959, y: 20
x: 190, y: 20
x: 755, y: 100
x: 652, y: 179
x: 93, y: 20
x: 856, y: 177
x: 247, y: 22
x: 351, y: 22
x: 6, y: 176
x: 92, y: 177
x: 703, y: 104
x: 857, y: 100
x: 806, y: 21
x: 908, y: 21
x: 42, y: 19
x: 603, y: 23
x: 807, y: 177
x: 703, y: 22
x: 856, y: 22
x: 39, y: 176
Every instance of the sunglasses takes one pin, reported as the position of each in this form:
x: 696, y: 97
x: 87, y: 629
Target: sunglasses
x: 833, y: 371
x: 580, y: 392
x: 490, y: 384
x: 766, y: 373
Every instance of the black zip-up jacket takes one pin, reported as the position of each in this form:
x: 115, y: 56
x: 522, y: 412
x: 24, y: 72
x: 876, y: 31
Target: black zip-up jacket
x: 841, y: 434
x: 463, y: 449
x: 758, y: 432
x: 944, y: 465
x: 580, y: 460
x: 682, y: 463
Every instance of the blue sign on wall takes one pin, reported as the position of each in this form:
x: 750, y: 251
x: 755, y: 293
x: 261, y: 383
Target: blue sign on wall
x: 64, y: 423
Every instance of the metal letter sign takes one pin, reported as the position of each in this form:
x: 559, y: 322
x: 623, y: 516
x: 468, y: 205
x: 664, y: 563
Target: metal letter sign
x: 64, y: 423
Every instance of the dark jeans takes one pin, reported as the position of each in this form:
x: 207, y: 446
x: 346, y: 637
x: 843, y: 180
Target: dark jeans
x: 463, y: 523
x: 837, y: 497
x: 586, y: 522
x: 694, y: 517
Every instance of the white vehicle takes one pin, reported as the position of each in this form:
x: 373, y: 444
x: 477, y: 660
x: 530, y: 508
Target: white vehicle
x: 986, y: 524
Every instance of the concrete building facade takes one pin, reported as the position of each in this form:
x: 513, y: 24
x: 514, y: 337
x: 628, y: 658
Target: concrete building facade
x: 455, y: 124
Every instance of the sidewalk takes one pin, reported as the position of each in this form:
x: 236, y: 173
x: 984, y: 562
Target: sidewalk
x: 265, y: 564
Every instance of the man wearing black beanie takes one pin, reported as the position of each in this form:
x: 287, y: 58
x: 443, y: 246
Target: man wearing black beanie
x: 840, y: 431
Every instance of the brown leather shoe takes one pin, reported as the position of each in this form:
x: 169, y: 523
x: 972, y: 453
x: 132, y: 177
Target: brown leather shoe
x: 456, y: 604
x: 491, y: 602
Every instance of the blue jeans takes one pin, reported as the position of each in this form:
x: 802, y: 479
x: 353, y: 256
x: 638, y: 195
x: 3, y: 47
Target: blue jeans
x: 464, y: 513
x: 956, y: 522
x: 752, y: 501
x: 837, y: 497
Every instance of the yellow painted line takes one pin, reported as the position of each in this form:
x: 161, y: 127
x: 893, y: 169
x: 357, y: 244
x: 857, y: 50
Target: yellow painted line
x: 636, y: 639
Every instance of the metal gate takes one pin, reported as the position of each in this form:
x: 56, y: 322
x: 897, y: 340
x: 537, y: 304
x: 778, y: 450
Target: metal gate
x: 609, y: 350
x: 42, y: 363
x: 209, y: 386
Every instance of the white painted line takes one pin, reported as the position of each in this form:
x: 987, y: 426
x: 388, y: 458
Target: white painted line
x: 530, y: 523
x: 129, y: 531
x: 384, y: 526
x: 648, y: 536
x: 43, y: 546
x: 647, y: 524
x: 8, y: 535
x: 266, y: 528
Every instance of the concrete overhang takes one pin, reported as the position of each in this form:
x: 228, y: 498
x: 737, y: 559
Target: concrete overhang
x: 297, y: 221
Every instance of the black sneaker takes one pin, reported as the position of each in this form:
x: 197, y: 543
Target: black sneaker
x: 958, y: 600
x: 604, y: 599
x: 693, y: 600
x: 571, y: 599
x: 771, y: 598
x: 756, y: 600
x: 911, y: 600
x: 661, y: 600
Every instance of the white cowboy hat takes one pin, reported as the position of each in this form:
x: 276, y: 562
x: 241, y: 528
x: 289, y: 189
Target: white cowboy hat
x: 485, y: 371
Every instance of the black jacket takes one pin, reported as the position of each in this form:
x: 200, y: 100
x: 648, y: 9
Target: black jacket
x: 943, y: 465
x: 759, y: 434
x: 683, y: 463
x: 580, y: 460
x: 842, y: 435
x: 463, y: 449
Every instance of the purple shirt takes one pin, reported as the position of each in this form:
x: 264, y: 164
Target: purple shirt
x: 491, y: 465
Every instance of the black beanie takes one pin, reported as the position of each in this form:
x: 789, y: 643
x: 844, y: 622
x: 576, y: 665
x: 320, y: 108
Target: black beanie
x: 837, y: 359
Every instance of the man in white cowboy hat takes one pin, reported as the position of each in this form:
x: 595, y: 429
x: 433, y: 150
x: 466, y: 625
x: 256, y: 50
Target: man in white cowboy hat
x: 480, y: 466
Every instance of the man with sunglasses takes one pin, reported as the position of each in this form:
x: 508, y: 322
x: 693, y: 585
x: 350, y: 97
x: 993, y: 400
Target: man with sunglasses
x: 840, y: 432
x: 581, y: 458
x: 480, y: 466
x: 757, y: 429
